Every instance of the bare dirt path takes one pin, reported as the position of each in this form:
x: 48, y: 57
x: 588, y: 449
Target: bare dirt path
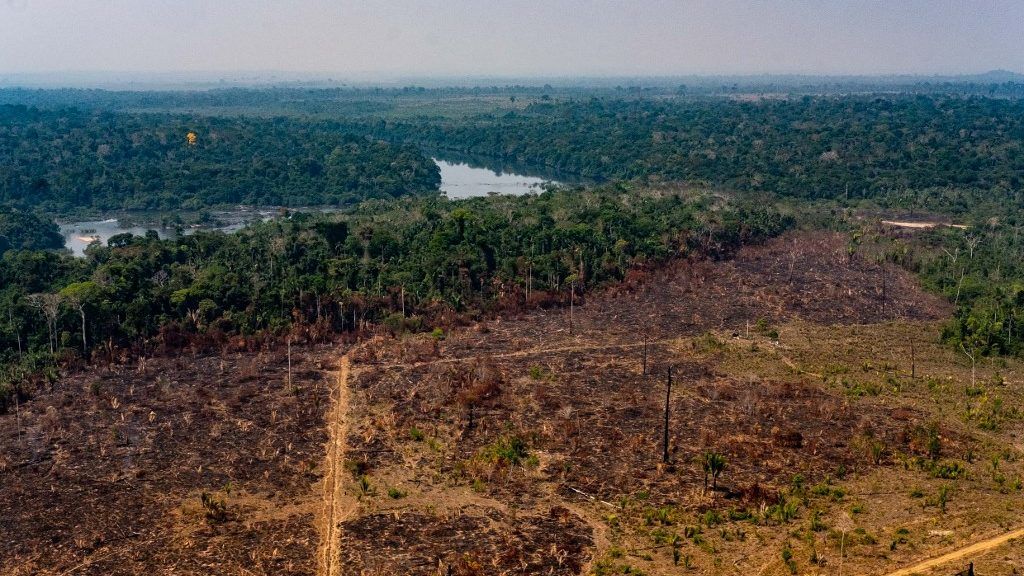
x: 960, y: 554
x: 903, y: 224
x: 530, y: 352
x: 337, y: 506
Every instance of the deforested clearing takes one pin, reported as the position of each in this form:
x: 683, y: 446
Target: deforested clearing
x: 515, y: 445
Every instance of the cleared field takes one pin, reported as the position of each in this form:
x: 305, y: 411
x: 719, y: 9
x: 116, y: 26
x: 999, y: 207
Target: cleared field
x: 851, y: 438
x: 788, y: 361
x: 105, y: 473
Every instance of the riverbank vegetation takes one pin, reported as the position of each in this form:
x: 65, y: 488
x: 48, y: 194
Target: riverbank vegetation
x: 20, y: 230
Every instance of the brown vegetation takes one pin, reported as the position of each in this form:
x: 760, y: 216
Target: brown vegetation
x: 196, y: 465
x: 515, y: 447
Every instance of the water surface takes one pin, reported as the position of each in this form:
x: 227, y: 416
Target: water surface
x: 461, y: 177
x: 463, y: 180
x: 79, y: 234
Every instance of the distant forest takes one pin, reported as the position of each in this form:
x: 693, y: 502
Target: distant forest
x: 850, y: 147
x: 63, y: 160
x: 946, y: 153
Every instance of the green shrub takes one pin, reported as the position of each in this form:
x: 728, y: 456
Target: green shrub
x: 787, y: 558
x: 947, y: 470
x: 505, y: 452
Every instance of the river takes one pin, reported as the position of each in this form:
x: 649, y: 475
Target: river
x: 461, y: 177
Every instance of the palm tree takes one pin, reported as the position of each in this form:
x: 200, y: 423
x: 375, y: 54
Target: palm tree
x: 712, y: 463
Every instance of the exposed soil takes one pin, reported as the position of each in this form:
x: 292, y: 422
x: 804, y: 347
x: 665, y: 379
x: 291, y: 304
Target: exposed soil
x: 957, y: 555
x: 431, y: 412
x: 807, y: 276
x: 106, y: 473
x: 517, y: 447
x: 473, y: 541
x: 336, y: 505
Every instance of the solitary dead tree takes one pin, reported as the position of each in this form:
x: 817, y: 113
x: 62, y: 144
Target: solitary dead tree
x: 668, y: 395
x: 973, y: 358
x: 645, y: 355
x: 77, y: 295
x: 881, y: 265
x: 913, y: 365
x: 16, y: 329
x: 289, y: 362
x: 972, y: 243
x: 572, y: 299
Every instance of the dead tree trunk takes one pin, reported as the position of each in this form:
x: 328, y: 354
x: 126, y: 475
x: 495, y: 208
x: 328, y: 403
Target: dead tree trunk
x: 884, y: 282
x: 572, y: 300
x: 85, y: 345
x: 668, y: 396
x: 913, y: 365
x: 645, y: 355
x: 972, y: 356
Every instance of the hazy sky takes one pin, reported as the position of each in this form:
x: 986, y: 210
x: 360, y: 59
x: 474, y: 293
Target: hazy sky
x: 513, y: 37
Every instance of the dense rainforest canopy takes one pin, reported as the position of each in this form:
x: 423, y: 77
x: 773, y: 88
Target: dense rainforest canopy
x: 20, y: 230
x: 63, y: 160
x: 849, y: 147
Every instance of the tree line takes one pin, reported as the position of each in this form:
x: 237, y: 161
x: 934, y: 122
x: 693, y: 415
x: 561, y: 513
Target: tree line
x: 981, y: 271
x: 411, y: 264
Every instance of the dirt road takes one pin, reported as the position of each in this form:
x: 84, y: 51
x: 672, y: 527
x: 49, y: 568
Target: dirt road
x: 960, y: 554
x: 902, y: 224
x: 337, y: 506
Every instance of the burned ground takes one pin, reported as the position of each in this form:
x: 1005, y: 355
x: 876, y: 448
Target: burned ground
x: 522, y: 414
x: 105, y: 472
x: 407, y: 543
x: 515, y: 446
x: 799, y: 276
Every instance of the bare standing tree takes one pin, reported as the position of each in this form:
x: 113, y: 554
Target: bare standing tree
x: 49, y: 306
x: 645, y: 355
x: 973, y: 357
x: 668, y: 396
x: 913, y: 363
x: 77, y: 295
x: 572, y: 300
x: 959, y: 285
x: 16, y: 329
x: 972, y: 243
